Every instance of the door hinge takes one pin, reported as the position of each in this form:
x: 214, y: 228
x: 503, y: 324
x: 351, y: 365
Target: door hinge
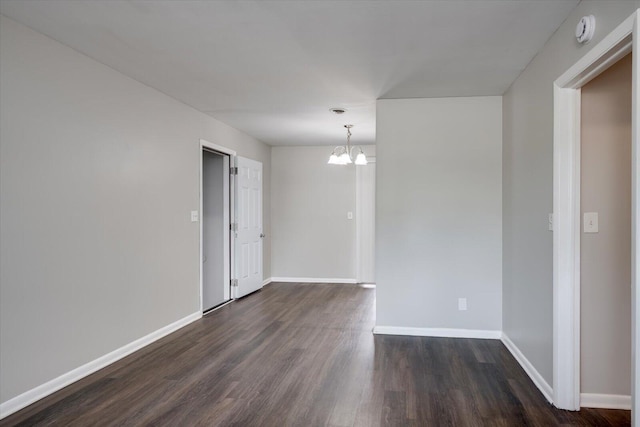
x: 233, y: 226
x: 233, y: 170
x: 234, y: 283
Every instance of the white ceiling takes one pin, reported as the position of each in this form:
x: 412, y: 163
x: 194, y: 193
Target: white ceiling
x: 274, y: 68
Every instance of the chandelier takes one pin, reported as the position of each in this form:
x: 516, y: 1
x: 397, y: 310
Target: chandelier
x: 343, y: 154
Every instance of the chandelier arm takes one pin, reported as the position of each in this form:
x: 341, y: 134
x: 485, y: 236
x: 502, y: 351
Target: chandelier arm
x: 343, y: 154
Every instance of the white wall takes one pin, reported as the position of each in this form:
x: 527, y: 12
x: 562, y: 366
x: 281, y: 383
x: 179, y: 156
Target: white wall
x: 312, y: 237
x: 439, y: 213
x: 98, y: 176
x: 605, y: 256
x: 528, y: 183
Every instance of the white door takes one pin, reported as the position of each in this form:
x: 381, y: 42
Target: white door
x: 248, y: 244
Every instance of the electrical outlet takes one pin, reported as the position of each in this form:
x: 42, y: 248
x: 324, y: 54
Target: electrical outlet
x: 462, y: 304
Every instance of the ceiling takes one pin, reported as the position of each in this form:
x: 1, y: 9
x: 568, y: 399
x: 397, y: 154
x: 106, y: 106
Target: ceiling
x: 274, y: 68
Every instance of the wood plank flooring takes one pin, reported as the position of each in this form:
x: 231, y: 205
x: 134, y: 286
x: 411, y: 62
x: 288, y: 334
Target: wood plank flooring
x: 304, y: 355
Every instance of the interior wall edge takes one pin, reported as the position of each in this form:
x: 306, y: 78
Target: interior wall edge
x: 31, y: 396
x: 527, y: 366
x: 605, y: 401
x: 313, y: 280
x: 437, y: 332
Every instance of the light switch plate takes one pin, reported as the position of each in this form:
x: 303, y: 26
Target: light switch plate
x: 550, y: 222
x: 462, y: 304
x: 194, y: 216
x: 590, y: 222
x: 349, y: 215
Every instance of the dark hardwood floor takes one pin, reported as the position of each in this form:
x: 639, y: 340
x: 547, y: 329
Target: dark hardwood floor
x: 304, y: 355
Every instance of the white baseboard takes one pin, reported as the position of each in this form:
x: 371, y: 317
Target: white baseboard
x: 533, y: 373
x: 437, y: 332
x: 266, y: 281
x: 605, y: 401
x: 27, y: 398
x: 312, y: 280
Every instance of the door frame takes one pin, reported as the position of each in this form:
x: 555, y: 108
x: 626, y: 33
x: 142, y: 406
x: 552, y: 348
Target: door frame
x: 206, y: 145
x: 566, y: 205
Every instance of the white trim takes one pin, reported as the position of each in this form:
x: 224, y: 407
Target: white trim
x: 266, y: 281
x: 312, y: 280
x: 200, y: 229
x: 216, y: 147
x: 218, y: 307
x: 358, y: 224
x: 27, y: 398
x: 566, y: 203
x: 226, y: 220
x: 437, y: 332
x: 566, y: 250
x: 529, y: 369
x: 635, y: 231
x: 605, y: 401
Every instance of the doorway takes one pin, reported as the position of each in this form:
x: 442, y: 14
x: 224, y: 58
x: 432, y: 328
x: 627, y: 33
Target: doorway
x: 216, y: 236
x: 231, y: 234
x: 567, y: 219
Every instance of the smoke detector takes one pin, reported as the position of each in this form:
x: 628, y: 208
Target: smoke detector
x: 338, y: 111
x: 585, y: 29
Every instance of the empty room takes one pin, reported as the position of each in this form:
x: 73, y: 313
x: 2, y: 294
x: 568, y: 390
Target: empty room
x: 305, y: 213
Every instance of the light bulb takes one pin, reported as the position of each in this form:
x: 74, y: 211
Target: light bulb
x: 361, y: 159
x: 345, y: 159
x: 333, y: 160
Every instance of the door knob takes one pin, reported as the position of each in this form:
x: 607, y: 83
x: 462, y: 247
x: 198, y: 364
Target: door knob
x: 262, y: 235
